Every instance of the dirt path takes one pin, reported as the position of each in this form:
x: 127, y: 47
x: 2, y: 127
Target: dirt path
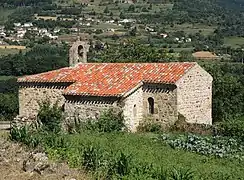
x: 19, y: 163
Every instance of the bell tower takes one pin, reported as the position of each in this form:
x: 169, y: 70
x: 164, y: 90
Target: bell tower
x: 78, y: 52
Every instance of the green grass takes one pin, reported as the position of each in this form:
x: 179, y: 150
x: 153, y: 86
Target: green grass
x: 192, y: 29
x: 6, y: 77
x: 4, y: 13
x: 190, y: 49
x: 234, y: 42
x: 145, y: 150
x: 123, y: 7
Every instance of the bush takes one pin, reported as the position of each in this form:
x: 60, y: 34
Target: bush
x: 149, y: 125
x: 109, y: 121
x: 50, y: 116
x: 234, y: 128
x: 182, y: 126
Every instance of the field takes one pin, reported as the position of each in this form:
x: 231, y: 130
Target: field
x: 234, y: 42
x: 144, y: 150
x: 12, y: 47
x: 6, y: 50
x: 191, y: 29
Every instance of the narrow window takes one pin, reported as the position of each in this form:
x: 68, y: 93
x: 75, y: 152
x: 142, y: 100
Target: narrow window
x: 134, y: 111
x: 62, y: 108
x: 151, y: 105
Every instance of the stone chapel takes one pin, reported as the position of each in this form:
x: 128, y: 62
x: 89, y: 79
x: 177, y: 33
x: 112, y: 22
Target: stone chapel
x: 160, y: 91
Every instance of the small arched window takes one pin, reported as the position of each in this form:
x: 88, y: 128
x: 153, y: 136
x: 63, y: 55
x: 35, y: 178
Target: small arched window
x: 80, y: 50
x: 151, y: 105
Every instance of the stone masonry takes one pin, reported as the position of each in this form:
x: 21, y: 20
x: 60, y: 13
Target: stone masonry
x: 88, y: 107
x: 31, y: 95
x: 165, y: 103
x: 78, y: 53
x: 194, y: 96
x: 136, y: 105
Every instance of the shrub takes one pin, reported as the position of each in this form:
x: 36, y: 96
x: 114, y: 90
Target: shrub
x: 234, y: 128
x: 148, y: 125
x: 182, y: 126
x: 109, y: 121
x: 50, y: 116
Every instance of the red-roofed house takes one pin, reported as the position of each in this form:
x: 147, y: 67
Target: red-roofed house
x: 160, y: 91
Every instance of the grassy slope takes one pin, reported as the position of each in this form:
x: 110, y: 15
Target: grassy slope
x: 4, y: 14
x: 144, y: 149
x: 5, y: 77
x: 234, y: 42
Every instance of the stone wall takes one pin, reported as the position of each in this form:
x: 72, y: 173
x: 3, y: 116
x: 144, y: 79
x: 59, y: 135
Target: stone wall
x: 194, y: 96
x: 133, y: 109
x: 165, y: 103
x: 88, y: 107
x: 31, y: 94
x: 136, y: 105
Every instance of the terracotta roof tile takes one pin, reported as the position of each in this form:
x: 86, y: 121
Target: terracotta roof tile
x: 111, y: 79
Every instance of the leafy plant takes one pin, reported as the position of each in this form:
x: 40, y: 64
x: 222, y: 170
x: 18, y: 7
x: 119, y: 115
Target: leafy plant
x: 50, y: 116
x: 109, y: 121
x: 217, y: 146
x: 234, y: 128
x: 182, y: 174
x: 91, y: 157
x: 148, y: 125
x: 121, y: 164
x: 23, y: 134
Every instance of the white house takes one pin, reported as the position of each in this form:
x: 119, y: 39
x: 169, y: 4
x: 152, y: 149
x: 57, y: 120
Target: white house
x: 17, y: 24
x: 27, y: 25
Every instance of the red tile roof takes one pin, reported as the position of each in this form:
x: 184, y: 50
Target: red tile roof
x: 111, y: 79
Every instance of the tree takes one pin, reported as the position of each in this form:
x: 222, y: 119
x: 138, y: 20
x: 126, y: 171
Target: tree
x: 122, y: 16
x: 131, y: 8
x: 106, y: 10
x: 39, y: 59
x: 133, y: 31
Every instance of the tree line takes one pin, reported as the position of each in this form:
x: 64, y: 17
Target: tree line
x: 40, y: 58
